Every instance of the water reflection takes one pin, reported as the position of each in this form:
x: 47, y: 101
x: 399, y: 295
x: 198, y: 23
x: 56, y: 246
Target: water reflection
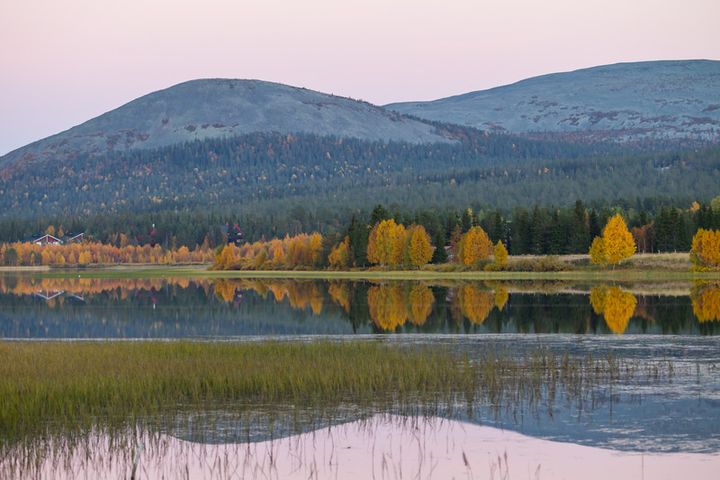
x: 382, y: 447
x: 33, y: 307
x: 616, y: 306
x: 706, y: 302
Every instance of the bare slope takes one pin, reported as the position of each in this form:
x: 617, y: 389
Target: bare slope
x: 625, y: 101
x: 202, y: 109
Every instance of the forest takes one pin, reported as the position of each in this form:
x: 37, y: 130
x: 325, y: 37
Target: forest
x: 296, y: 183
x: 657, y: 225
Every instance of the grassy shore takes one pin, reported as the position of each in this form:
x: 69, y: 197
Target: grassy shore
x: 72, y: 385
x: 630, y: 274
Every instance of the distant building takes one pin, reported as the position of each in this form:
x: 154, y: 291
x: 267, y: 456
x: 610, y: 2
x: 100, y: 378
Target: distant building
x: 234, y: 235
x: 74, y: 238
x: 47, y: 239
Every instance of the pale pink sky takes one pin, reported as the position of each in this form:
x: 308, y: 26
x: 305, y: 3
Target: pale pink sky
x: 65, y: 61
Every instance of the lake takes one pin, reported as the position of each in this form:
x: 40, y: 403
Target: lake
x: 661, y: 421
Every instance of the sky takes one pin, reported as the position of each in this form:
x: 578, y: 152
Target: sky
x: 65, y: 61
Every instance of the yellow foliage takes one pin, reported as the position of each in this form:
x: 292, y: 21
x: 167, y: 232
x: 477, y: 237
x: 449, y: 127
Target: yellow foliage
x: 340, y: 254
x: 705, y: 251
x: 474, y: 246
x: 386, y: 242
x: 419, y: 248
x: 227, y: 258
x: 618, y: 243
x: 501, y: 254
x: 597, y: 252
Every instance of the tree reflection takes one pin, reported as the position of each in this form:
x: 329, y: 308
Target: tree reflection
x: 616, y: 306
x: 421, y: 301
x: 340, y: 293
x: 706, y: 302
x: 501, y: 297
x: 475, y: 303
x: 387, y: 306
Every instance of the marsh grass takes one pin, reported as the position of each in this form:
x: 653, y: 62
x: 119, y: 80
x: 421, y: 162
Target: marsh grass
x: 74, y: 386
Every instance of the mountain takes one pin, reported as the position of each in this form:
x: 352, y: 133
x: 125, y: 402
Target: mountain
x: 202, y: 109
x: 626, y: 101
x: 266, y: 148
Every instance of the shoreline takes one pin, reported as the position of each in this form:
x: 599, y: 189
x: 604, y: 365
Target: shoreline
x: 150, y: 271
x: 642, y: 267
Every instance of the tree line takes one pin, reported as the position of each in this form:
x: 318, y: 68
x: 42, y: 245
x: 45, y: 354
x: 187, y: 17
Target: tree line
x: 86, y: 253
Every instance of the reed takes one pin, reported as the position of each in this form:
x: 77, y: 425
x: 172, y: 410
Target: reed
x: 75, y: 385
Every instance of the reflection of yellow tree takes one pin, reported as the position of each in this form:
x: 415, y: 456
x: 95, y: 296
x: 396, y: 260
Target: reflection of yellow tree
x: 597, y: 299
x: 225, y: 290
x: 617, y: 306
x: 300, y: 295
x: 387, y: 306
x: 706, y: 303
x: 476, y: 304
x: 421, y: 301
x: 340, y: 294
x: 501, y: 297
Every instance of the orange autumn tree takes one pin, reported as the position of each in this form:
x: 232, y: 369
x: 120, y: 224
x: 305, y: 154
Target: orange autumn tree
x: 615, y: 245
x: 474, y: 246
x: 705, y: 251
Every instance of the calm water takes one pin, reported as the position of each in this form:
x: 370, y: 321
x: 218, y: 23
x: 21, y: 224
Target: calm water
x: 33, y: 308
x: 659, y: 428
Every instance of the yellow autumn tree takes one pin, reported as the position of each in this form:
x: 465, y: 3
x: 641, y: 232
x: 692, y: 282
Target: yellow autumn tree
x: 340, y: 254
x: 501, y: 254
x: 474, y: 246
x: 227, y: 257
x: 315, y: 249
x: 386, y: 242
x: 705, y: 250
x: 419, y: 248
x: 616, y: 244
x: 597, y: 252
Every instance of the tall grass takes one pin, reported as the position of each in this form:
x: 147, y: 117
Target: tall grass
x: 70, y: 386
